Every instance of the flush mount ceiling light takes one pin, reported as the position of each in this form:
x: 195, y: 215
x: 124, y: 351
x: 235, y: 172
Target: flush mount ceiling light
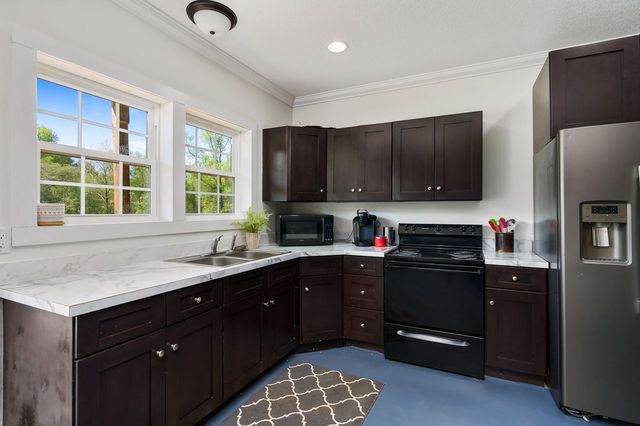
x: 211, y: 17
x: 337, y: 46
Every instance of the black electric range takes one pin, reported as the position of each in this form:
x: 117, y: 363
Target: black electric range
x: 434, y: 298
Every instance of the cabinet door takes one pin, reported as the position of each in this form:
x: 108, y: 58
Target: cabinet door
x: 242, y: 342
x: 413, y: 160
x: 307, y: 164
x: 342, y: 164
x: 595, y: 84
x: 516, y: 323
x: 281, y: 322
x: 124, y: 385
x: 374, y: 162
x: 194, y: 368
x: 458, y: 156
x: 320, y: 308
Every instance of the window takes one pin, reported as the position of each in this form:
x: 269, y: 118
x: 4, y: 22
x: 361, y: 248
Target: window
x: 210, y: 179
x: 96, y: 152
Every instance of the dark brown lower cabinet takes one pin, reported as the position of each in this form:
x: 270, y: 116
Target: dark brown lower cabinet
x: 281, y: 322
x: 320, y: 308
x: 243, y: 333
x: 516, y: 334
x: 194, y: 368
x: 124, y: 385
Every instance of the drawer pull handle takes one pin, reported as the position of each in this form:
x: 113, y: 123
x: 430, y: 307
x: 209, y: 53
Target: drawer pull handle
x: 306, y: 289
x: 429, y: 188
x: 266, y: 304
x: 160, y: 353
x: 197, y: 299
x: 438, y: 188
x: 514, y: 278
x: 362, y: 266
x: 321, y: 190
x: 272, y: 302
x: 174, y: 347
x: 362, y: 292
x: 491, y: 302
x: 362, y: 325
x: 432, y: 339
x: 353, y: 190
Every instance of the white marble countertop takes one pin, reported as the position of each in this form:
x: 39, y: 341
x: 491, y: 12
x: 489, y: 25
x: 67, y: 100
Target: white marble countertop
x: 84, y: 292
x: 522, y: 259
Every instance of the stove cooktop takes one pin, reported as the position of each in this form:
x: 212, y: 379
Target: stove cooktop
x: 437, y: 255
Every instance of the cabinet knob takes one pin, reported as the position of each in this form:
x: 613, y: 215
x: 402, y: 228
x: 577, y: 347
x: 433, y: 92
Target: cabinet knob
x: 514, y: 278
x: 429, y: 188
x: 491, y: 302
x: 160, y: 353
x: 353, y: 190
x: 306, y: 289
x: 362, y: 266
x: 266, y: 304
x: 197, y: 299
x: 359, y: 189
x: 321, y: 189
x: 362, y: 325
x: 362, y: 292
x: 438, y: 188
x: 272, y: 302
x: 174, y: 347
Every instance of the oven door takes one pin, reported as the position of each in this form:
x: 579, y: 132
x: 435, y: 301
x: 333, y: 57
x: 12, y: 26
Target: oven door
x: 435, y: 296
x: 301, y: 231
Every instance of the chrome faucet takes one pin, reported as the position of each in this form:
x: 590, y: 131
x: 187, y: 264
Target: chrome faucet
x: 233, y: 241
x: 214, y: 245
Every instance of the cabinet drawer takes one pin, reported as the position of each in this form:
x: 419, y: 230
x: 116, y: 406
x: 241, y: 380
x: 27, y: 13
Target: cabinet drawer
x: 362, y: 265
x: 363, y: 291
x: 190, y: 301
x: 324, y: 265
x: 282, y: 272
x: 364, y: 325
x: 515, y: 278
x: 102, y: 329
x: 239, y: 286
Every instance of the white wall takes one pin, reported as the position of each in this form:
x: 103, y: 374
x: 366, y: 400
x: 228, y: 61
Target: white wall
x: 504, y: 98
x: 102, y: 31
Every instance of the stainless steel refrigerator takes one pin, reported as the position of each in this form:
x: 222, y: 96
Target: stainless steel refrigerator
x: 586, y: 188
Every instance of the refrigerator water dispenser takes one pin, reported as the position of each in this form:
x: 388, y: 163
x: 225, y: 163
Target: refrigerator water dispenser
x: 604, y: 232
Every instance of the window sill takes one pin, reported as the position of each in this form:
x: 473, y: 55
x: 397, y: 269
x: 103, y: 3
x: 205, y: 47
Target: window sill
x: 75, y: 233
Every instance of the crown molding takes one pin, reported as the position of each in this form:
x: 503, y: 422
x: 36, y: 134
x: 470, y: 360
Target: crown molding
x: 192, y: 39
x: 466, y: 71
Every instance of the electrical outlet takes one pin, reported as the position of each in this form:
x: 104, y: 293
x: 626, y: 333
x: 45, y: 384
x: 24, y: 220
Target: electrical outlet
x: 5, y: 240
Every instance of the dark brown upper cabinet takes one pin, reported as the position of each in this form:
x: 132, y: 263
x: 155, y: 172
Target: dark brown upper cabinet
x: 413, y: 160
x: 458, y: 157
x: 294, y: 164
x: 438, y: 158
x: 359, y: 163
x: 587, y: 85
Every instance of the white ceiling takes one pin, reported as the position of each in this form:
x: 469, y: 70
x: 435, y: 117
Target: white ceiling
x: 285, y: 40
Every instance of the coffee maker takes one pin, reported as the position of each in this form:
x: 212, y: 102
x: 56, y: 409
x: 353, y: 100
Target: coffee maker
x: 365, y: 228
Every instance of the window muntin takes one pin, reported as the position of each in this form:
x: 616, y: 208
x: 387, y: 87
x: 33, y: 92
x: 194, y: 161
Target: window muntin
x: 95, y: 153
x: 209, y: 179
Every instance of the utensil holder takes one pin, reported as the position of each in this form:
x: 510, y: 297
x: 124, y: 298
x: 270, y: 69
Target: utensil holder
x: 504, y: 242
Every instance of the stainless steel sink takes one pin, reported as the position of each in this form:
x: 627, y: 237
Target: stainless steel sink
x: 210, y: 260
x: 254, y: 254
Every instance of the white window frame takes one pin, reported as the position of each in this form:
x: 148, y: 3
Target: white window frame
x: 210, y: 125
x: 84, y: 85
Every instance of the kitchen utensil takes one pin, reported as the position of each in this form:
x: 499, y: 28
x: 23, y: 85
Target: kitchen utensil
x: 503, y: 224
x: 493, y: 225
x: 511, y: 225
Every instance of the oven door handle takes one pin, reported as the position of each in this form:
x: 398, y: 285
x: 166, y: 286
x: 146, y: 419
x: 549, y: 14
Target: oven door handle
x: 420, y: 268
x: 433, y: 339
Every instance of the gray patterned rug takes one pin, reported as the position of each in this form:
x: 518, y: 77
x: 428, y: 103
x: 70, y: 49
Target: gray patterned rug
x: 306, y: 394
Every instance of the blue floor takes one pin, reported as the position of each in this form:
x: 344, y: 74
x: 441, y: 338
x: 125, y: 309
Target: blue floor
x: 420, y: 396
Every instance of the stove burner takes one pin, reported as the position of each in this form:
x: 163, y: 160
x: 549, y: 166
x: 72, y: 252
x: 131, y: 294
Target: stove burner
x: 462, y: 255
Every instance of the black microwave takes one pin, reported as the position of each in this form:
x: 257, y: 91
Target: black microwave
x: 304, y: 230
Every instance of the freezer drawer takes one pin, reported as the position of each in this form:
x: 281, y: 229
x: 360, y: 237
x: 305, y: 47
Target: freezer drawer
x: 457, y: 353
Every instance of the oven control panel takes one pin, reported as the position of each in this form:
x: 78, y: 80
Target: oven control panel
x: 432, y: 229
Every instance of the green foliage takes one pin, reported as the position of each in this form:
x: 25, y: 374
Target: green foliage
x: 255, y: 221
x: 46, y: 134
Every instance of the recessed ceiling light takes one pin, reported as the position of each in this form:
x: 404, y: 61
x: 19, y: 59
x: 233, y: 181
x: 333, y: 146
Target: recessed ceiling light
x: 337, y: 46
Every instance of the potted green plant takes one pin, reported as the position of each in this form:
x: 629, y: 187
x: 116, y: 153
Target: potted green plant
x: 252, y: 225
